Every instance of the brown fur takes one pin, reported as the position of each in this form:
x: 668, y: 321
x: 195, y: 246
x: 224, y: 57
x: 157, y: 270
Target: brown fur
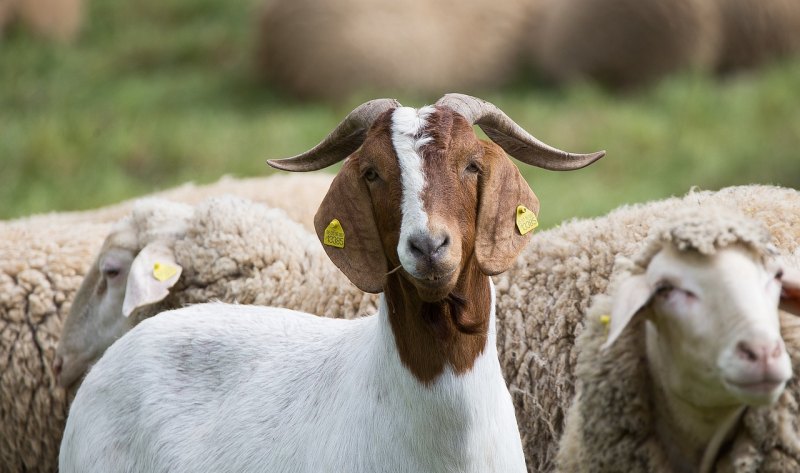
x: 427, y: 335
x: 432, y: 327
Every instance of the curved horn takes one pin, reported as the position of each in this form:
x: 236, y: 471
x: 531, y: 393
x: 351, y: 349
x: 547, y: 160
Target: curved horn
x: 512, y: 138
x: 341, y: 142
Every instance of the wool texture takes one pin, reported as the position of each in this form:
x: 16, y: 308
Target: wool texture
x: 43, y: 260
x: 610, y: 425
x: 542, y: 299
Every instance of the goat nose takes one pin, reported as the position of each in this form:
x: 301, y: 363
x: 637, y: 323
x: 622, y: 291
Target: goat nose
x: 428, y: 246
x: 58, y: 363
x: 760, y: 353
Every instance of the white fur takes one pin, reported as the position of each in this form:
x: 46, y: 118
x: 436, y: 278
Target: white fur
x: 407, y: 138
x: 227, y: 388
x: 692, y: 334
x: 693, y: 339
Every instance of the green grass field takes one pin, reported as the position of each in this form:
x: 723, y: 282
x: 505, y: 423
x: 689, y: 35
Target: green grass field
x: 160, y: 92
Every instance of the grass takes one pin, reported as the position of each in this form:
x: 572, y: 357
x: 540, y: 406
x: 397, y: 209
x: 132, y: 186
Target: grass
x: 159, y: 92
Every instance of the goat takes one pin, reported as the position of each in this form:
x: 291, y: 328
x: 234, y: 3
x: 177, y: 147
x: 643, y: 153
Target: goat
x: 416, y: 387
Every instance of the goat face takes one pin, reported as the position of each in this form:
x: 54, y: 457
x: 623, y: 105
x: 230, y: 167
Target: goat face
x: 423, y: 181
x: 420, y: 193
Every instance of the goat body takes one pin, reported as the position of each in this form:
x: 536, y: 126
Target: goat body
x: 245, y: 375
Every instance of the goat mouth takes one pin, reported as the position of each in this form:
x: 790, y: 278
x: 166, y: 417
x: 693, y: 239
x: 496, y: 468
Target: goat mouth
x: 435, y: 279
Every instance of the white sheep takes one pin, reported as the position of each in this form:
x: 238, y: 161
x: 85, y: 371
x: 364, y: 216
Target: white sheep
x: 685, y: 341
x: 43, y: 260
x: 416, y: 387
x: 541, y: 299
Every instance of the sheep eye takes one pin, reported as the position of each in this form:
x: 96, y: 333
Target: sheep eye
x: 664, y: 288
x: 473, y: 168
x: 370, y: 175
x: 779, y: 275
x: 111, y: 273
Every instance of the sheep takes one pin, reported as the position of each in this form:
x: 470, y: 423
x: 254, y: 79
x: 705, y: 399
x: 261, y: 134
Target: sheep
x: 624, y: 43
x: 227, y: 249
x: 330, y: 50
x: 280, y: 390
x: 755, y: 31
x: 41, y: 266
x: 541, y: 299
x: 42, y: 262
x: 677, y: 350
x: 56, y: 20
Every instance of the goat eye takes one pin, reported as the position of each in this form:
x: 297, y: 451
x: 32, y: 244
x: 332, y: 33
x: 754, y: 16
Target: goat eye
x: 370, y: 175
x: 473, y: 168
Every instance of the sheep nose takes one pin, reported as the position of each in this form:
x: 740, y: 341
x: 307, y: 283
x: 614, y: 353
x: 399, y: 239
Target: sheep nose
x: 759, y: 353
x: 427, y: 246
x: 58, y: 364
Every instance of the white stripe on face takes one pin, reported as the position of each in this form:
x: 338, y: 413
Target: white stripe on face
x: 407, y: 138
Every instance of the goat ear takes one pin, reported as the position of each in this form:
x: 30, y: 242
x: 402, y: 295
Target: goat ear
x: 630, y: 298
x: 361, y: 257
x: 790, y: 292
x: 153, y: 272
x: 498, y: 241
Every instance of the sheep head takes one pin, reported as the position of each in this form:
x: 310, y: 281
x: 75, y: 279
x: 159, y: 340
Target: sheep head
x: 420, y: 193
x: 134, y: 270
x: 712, y: 310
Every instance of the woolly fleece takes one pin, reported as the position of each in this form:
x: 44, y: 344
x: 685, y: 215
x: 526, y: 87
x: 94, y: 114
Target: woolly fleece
x: 542, y: 299
x: 610, y: 424
x: 41, y: 267
x: 235, y: 250
x: 43, y: 260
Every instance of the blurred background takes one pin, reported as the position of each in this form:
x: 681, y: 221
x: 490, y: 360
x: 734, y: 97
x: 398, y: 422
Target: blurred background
x: 102, y: 100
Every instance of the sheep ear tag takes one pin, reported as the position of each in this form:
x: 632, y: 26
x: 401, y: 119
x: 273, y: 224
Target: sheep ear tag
x: 164, y: 271
x: 526, y: 220
x: 334, y: 234
x: 153, y: 272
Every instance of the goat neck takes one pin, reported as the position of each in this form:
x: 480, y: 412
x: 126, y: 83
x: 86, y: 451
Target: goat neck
x: 450, y: 332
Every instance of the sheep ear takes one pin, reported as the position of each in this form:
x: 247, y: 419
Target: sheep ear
x: 498, y: 240
x: 631, y: 297
x: 346, y: 227
x: 153, y: 272
x: 790, y: 293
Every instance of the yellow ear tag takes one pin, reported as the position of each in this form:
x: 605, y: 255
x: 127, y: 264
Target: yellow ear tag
x: 334, y: 234
x: 606, y: 321
x: 526, y: 220
x: 164, y: 271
